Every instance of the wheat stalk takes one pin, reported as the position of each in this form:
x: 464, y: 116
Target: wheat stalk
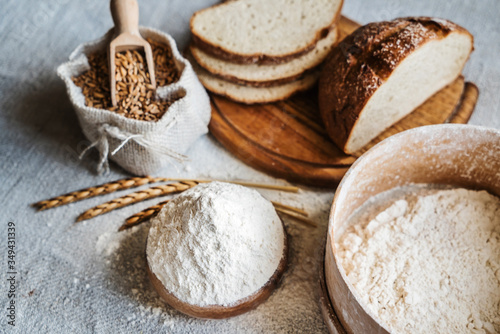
x: 292, y: 189
x: 279, y: 205
x: 297, y: 217
x: 120, y: 202
x: 152, y: 211
x: 102, y: 189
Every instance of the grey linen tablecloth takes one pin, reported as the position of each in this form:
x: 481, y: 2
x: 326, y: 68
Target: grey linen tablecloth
x: 84, y: 278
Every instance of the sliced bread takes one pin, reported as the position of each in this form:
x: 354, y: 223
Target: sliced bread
x: 248, y: 94
x: 266, y: 74
x: 383, y: 71
x: 263, y: 31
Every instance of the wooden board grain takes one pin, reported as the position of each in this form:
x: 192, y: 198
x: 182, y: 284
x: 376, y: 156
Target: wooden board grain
x: 287, y: 139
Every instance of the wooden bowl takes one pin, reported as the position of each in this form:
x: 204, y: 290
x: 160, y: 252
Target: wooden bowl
x: 218, y: 311
x: 325, y: 304
x: 461, y: 155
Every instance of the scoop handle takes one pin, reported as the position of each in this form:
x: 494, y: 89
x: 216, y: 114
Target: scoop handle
x: 125, y: 15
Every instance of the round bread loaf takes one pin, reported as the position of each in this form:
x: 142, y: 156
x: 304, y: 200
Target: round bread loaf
x: 383, y: 71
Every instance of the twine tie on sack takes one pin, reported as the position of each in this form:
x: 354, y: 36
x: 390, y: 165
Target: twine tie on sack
x: 102, y: 144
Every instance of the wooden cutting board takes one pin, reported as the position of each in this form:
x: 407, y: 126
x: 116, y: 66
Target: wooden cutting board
x: 287, y: 139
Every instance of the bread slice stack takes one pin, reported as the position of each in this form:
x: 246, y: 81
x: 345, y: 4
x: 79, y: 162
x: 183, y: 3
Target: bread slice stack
x: 383, y: 71
x: 258, y: 51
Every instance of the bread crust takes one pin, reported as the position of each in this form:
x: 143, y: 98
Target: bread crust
x: 257, y: 58
x: 264, y: 83
x: 204, y: 76
x: 246, y: 100
x: 363, y: 61
x: 268, y: 84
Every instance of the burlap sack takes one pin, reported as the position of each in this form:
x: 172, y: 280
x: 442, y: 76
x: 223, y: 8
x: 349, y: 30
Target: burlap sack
x: 141, y: 147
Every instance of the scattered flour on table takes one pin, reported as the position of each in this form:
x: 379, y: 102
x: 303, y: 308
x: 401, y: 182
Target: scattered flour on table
x: 431, y: 264
x: 107, y: 243
x: 215, y: 244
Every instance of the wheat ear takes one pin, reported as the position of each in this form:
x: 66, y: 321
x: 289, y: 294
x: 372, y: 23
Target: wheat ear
x: 134, y: 182
x: 102, y: 189
x: 142, y: 216
x: 120, y: 202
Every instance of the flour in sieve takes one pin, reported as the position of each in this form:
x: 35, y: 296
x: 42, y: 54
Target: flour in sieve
x: 431, y: 264
x: 215, y: 244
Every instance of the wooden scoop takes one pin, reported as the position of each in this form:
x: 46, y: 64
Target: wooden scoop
x: 219, y: 311
x: 125, y: 15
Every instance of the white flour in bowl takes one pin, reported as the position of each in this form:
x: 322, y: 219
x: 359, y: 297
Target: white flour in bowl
x: 215, y: 244
x: 429, y: 263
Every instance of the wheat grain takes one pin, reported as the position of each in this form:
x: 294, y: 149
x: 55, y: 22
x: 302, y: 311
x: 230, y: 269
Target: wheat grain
x: 135, y: 96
